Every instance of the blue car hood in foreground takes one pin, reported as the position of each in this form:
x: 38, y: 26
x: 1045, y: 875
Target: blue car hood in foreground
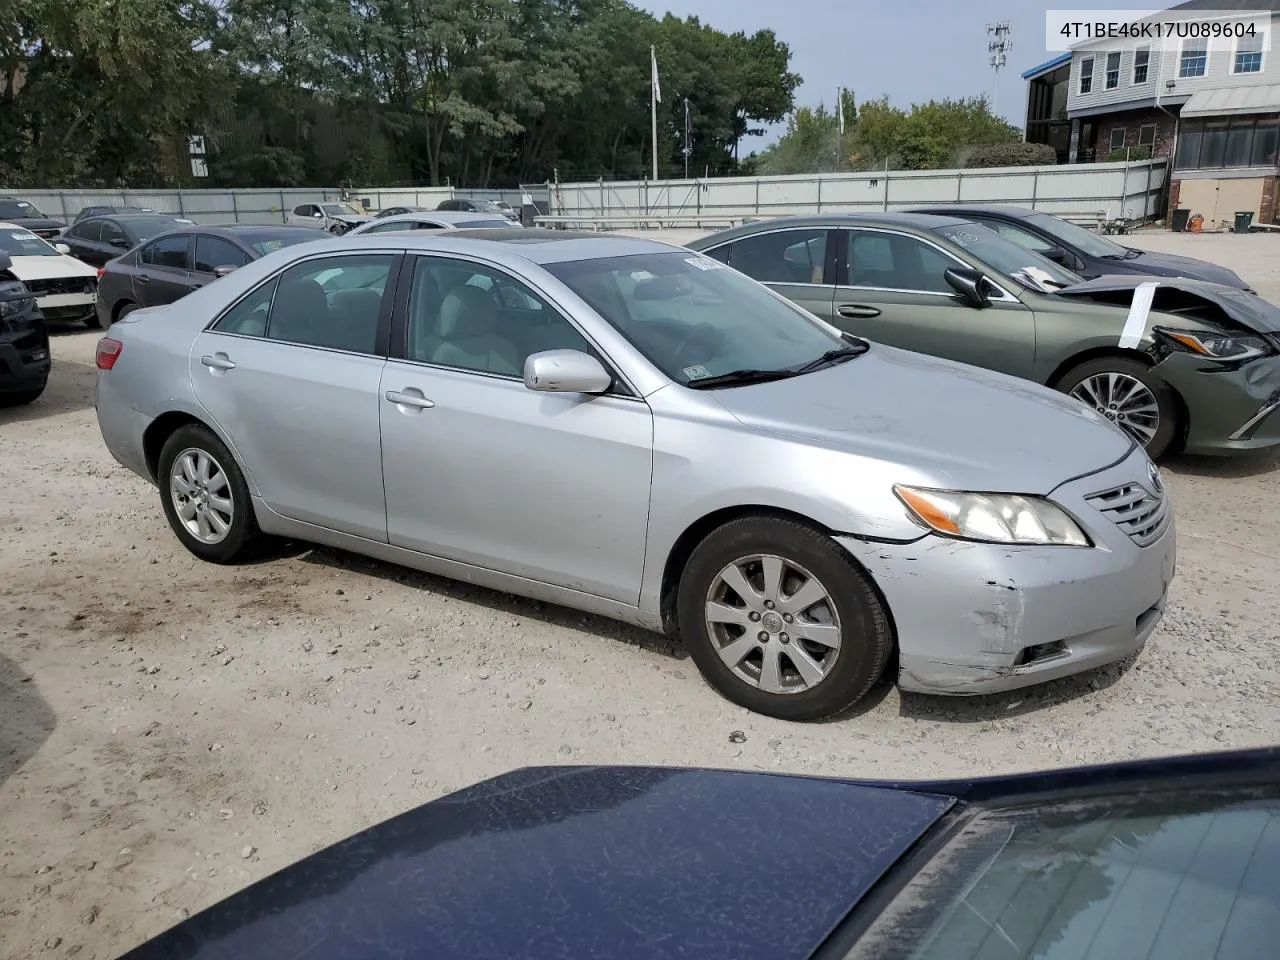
x: 610, y: 862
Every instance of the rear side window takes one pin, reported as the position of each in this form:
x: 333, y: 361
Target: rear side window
x: 214, y: 252
x: 334, y: 302
x: 167, y: 252
x: 249, y: 316
x: 90, y: 230
x: 783, y: 256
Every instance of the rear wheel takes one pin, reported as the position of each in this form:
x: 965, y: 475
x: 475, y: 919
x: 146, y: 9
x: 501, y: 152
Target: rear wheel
x: 92, y: 321
x: 1129, y: 394
x: 123, y: 310
x: 780, y: 619
x: 205, y: 497
x: 20, y: 398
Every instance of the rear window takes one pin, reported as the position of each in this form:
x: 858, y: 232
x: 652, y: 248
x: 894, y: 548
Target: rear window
x: 1164, y: 877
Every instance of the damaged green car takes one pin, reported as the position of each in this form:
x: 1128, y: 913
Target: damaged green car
x: 1179, y: 364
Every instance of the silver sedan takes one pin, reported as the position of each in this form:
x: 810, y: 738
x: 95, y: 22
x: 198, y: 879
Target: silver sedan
x: 638, y: 431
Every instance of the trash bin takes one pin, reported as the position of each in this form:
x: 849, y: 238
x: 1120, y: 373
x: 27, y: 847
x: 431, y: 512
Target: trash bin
x: 1244, y: 218
x: 1180, y: 216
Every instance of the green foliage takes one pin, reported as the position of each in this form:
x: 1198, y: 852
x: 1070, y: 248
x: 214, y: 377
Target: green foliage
x: 1121, y: 154
x: 877, y: 134
x: 1013, y: 155
x: 298, y: 92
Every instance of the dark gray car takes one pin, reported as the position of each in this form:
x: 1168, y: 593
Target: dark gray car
x: 98, y: 239
x: 1079, y: 249
x: 171, y: 265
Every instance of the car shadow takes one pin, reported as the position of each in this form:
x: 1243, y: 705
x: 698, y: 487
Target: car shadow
x: 503, y: 603
x: 1016, y: 703
x: 26, y: 719
x: 1239, y: 467
x: 71, y: 387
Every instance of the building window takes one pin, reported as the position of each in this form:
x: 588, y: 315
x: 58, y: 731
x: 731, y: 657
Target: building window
x: 1141, y: 62
x: 1237, y: 142
x: 1248, y: 55
x: 1113, y: 70
x: 1194, y: 59
x: 1086, y: 74
x: 1117, y: 138
x: 1147, y: 135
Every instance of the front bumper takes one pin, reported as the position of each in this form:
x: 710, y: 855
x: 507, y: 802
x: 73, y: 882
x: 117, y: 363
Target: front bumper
x: 67, y: 306
x: 975, y: 618
x: 1229, y: 411
x: 24, y: 360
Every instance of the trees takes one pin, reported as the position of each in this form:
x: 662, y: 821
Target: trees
x: 293, y: 92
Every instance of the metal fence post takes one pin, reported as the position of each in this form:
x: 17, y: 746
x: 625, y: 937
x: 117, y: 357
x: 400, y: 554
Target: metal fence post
x: 959, y: 186
x: 235, y: 208
x: 181, y: 209
x: 1146, y: 197
x: 1035, y: 188
x: 757, y: 196
x: 819, y: 193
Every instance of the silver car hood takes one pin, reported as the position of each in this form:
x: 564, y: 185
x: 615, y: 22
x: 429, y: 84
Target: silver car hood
x: 961, y: 426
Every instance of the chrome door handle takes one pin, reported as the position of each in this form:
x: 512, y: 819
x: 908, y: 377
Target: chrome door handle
x: 219, y: 361
x: 855, y: 310
x: 141, y: 278
x: 401, y: 399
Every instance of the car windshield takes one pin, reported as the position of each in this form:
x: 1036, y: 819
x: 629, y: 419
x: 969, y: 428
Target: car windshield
x: 18, y: 210
x: 1164, y: 876
x: 144, y: 228
x: 23, y: 243
x: 1073, y: 235
x: 1016, y: 262
x: 694, y: 318
x: 486, y: 206
x: 340, y: 210
x: 272, y: 244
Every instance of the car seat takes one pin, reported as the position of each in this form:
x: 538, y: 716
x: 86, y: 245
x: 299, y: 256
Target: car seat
x: 469, y: 320
x: 299, y: 309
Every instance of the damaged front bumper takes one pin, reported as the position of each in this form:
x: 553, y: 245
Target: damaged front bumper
x: 977, y: 618
x: 1230, y: 410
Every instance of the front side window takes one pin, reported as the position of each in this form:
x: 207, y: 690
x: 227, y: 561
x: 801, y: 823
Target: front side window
x: 214, y: 252
x: 334, y: 302
x: 1194, y: 59
x: 304, y: 210
x: 1141, y: 64
x: 1086, y: 74
x: 894, y: 261
x: 1113, y: 70
x: 113, y: 234
x: 167, y: 252
x: 784, y: 256
x: 693, y: 318
x: 1248, y: 55
x: 474, y: 317
x: 90, y: 230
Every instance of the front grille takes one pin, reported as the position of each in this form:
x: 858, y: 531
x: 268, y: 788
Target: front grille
x: 1139, y: 513
x: 45, y: 288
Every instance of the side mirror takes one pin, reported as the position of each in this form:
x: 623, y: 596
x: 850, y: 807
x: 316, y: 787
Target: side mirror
x: 1056, y: 254
x: 62, y: 248
x: 969, y: 284
x: 223, y: 270
x: 565, y: 371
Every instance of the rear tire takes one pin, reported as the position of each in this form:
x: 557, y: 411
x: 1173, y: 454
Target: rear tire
x: 205, y: 497
x: 92, y: 321
x: 808, y: 643
x: 123, y: 310
x: 21, y: 398
x: 1132, y: 395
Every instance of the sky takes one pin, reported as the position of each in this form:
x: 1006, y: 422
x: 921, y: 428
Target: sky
x: 912, y: 50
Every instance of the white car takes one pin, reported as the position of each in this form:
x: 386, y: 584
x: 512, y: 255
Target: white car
x: 435, y: 220
x: 65, y: 288
x: 335, y: 217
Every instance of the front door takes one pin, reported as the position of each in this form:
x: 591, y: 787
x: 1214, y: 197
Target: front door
x: 164, y: 271
x: 893, y: 290
x: 482, y: 470
x: 293, y: 382
x: 792, y: 261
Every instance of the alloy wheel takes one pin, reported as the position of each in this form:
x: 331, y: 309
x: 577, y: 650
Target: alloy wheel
x: 773, y: 624
x: 1124, y: 400
x: 202, y: 496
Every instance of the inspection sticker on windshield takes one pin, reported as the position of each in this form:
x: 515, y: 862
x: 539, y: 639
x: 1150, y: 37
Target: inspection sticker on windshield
x: 23, y: 235
x: 704, y: 263
x: 696, y: 371
x: 183, y: 220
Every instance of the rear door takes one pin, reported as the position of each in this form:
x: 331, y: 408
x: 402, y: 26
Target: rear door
x: 164, y: 271
x: 892, y: 289
x: 794, y: 261
x: 84, y: 239
x: 291, y: 375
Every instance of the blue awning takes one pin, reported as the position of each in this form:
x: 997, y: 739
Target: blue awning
x: 1047, y: 66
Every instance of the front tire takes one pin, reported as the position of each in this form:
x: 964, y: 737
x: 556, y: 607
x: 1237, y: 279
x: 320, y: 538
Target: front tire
x: 205, y: 497
x: 92, y: 321
x: 1128, y: 393
x: 338, y: 229
x: 780, y: 620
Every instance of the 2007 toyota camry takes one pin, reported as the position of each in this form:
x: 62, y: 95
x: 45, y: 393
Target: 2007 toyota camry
x: 632, y: 429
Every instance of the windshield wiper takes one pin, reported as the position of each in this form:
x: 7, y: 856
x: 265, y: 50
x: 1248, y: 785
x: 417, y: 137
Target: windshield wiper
x: 833, y: 356
x: 1130, y: 253
x: 734, y: 377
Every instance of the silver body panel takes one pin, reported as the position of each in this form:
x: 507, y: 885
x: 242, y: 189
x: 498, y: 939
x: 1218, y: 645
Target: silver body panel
x: 580, y: 500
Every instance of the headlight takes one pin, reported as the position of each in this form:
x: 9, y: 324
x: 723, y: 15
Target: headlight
x: 992, y: 517
x: 10, y: 308
x: 1219, y: 346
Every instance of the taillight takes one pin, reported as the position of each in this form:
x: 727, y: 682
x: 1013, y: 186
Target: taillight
x: 101, y: 271
x: 108, y: 353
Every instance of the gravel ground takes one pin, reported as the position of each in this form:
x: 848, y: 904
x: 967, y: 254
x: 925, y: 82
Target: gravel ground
x: 172, y: 731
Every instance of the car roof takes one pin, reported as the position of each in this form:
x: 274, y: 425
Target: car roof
x: 918, y: 221
x: 444, y: 216
x: 537, y: 245
x: 1001, y: 209
x: 582, y: 861
x: 245, y: 230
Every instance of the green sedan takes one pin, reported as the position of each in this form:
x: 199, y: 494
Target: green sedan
x: 1179, y: 364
